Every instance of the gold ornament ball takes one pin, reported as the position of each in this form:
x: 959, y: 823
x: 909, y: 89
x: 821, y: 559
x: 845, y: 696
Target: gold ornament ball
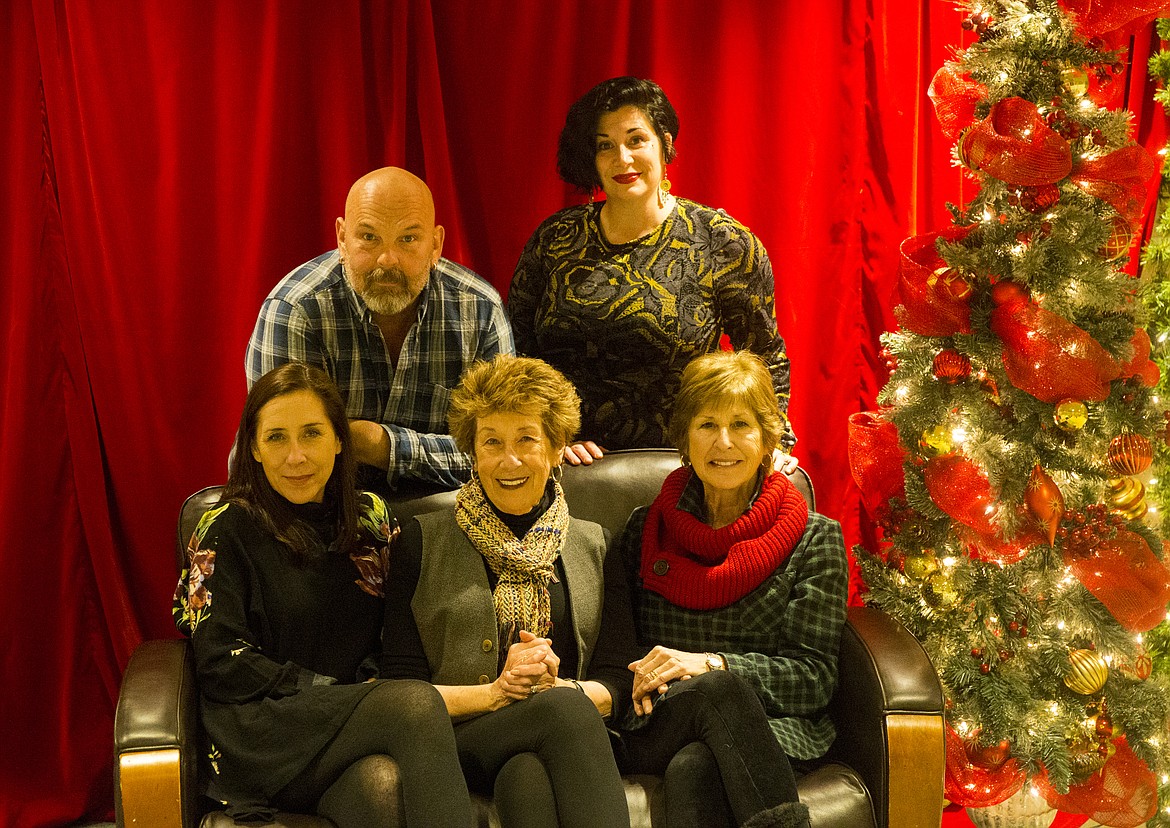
x: 1127, y: 497
x: 940, y: 591
x: 1076, y: 79
x: 935, y: 441
x: 920, y: 567
x: 1086, y: 760
x: 1087, y: 673
x: 1070, y: 415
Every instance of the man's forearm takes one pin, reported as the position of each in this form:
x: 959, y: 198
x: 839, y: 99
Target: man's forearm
x: 371, y: 443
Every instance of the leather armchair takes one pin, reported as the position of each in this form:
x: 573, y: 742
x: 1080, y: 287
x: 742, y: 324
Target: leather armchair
x: 885, y: 769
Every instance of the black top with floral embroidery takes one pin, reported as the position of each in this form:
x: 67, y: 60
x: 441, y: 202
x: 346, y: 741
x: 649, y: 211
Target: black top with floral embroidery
x: 279, y: 647
x: 621, y: 321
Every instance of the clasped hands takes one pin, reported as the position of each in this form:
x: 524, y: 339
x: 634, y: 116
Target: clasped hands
x: 654, y: 672
x: 531, y: 666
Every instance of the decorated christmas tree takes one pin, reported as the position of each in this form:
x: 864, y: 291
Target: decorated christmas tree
x: 1008, y: 462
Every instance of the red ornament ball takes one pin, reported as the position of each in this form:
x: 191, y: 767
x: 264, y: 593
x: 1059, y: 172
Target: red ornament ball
x: 1119, y: 241
x: 991, y: 757
x: 950, y: 366
x: 1129, y: 454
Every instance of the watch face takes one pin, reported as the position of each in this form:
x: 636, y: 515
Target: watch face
x: 714, y: 662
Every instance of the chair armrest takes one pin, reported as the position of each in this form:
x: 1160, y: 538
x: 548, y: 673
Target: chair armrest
x: 156, y: 737
x: 888, y: 711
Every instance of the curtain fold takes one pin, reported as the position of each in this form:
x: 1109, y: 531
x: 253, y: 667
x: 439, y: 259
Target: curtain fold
x: 165, y: 164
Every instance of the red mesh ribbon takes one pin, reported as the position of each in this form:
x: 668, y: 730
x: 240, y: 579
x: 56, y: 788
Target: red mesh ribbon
x: 1140, y: 365
x: 1099, y: 17
x: 961, y: 489
x: 935, y: 302
x: 1123, y: 573
x: 977, y: 786
x: 1123, y: 794
x: 1122, y: 179
x: 954, y: 96
x: 1015, y: 145
x: 875, y: 458
x: 994, y: 548
x: 1050, y: 357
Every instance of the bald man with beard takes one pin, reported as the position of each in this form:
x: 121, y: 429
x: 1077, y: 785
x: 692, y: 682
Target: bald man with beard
x: 393, y: 322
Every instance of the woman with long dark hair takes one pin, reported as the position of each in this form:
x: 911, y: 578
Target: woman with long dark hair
x: 283, y: 601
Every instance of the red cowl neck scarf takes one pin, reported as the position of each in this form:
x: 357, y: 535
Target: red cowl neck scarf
x: 696, y: 567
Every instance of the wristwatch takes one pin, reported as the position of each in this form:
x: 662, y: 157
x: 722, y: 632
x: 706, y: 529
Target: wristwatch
x: 715, y: 662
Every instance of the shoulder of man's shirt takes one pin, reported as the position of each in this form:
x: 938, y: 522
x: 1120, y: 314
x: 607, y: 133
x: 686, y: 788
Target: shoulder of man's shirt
x: 465, y: 279
x: 322, y: 273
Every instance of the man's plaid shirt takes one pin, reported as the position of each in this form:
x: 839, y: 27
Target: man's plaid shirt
x: 782, y: 637
x: 314, y: 315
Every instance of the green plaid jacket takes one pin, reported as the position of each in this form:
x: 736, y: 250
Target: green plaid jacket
x: 782, y: 637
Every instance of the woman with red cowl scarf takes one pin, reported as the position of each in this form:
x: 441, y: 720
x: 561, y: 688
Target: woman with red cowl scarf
x: 740, y: 593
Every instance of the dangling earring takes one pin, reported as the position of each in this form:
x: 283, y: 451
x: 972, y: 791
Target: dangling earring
x: 558, y: 472
x: 663, y: 189
x: 684, y: 459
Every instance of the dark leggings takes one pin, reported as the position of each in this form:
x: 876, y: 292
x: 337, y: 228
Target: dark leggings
x: 352, y: 782
x: 547, y: 761
x: 736, y: 752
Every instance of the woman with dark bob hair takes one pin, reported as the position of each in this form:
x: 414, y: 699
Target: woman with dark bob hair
x: 283, y: 602
x: 621, y: 294
x: 515, y: 610
x: 739, y: 591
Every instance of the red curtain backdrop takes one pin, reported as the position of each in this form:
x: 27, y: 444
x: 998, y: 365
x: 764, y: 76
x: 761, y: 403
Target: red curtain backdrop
x: 165, y: 163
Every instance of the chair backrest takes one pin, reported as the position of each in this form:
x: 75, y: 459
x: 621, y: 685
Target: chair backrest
x: 604, y: 492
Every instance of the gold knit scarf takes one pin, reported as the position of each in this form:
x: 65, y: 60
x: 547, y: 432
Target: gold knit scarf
x: 523, y: 566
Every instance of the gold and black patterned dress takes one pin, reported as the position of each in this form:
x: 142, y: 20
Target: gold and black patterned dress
x: 621, y: 321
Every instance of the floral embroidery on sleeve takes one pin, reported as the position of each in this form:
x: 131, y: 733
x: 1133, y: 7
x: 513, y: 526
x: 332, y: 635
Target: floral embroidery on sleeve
x: 373, y: 560
x: 192, y: 601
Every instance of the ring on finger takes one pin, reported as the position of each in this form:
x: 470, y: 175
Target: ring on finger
x: 653, y: 674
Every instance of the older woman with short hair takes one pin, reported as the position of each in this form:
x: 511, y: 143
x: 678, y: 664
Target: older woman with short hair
x: 740, y: 592
x: 514, y: 610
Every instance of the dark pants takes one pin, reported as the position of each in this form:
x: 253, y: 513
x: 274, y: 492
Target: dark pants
x: 351, y: 780
x: 547, y: 761
x: 710, y: 740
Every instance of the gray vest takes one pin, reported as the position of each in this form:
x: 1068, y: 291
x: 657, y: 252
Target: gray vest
x: 452, y: 604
